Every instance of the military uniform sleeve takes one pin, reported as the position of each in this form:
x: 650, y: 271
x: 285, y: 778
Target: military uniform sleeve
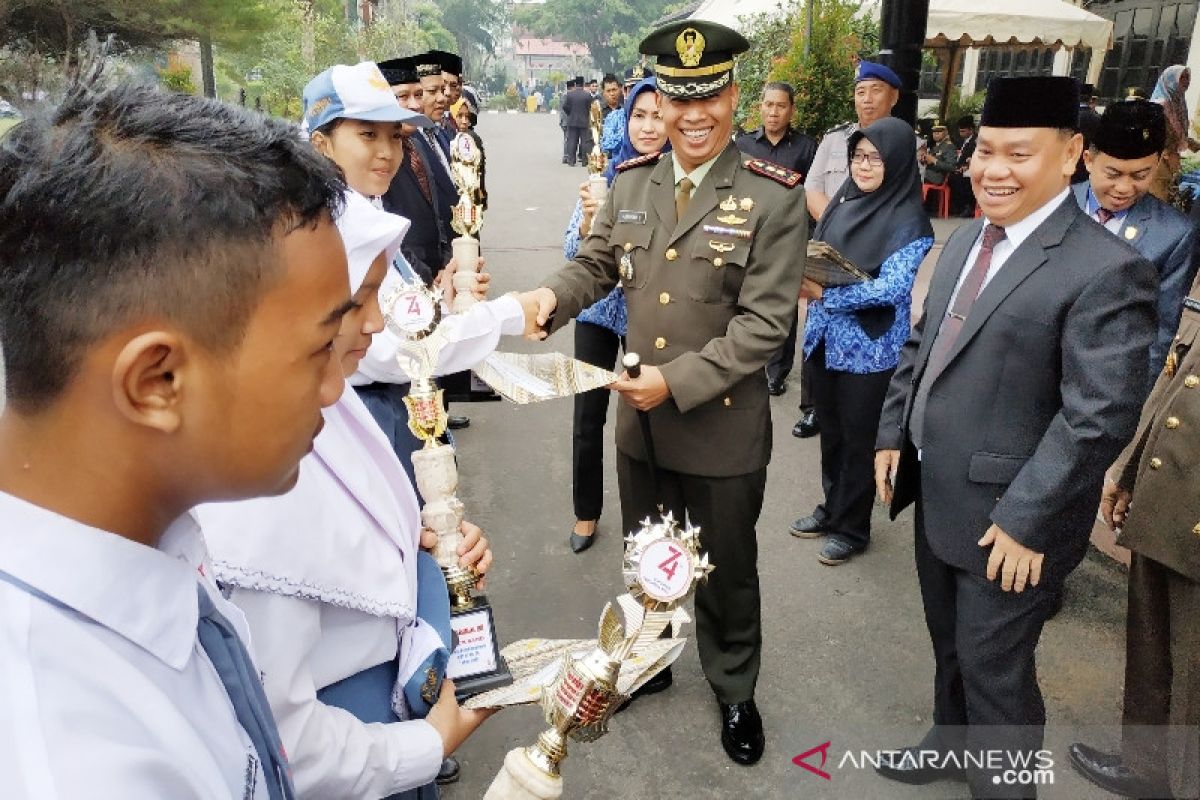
x: 591, y: 275
x: 1177, y: 275
x: 767, y: 302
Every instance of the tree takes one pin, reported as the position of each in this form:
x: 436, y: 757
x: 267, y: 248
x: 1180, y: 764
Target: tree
x: 474, y: 25
x: 606, y: 26
x: 823, y: 76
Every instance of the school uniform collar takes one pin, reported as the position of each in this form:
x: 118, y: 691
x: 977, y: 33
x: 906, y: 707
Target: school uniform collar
x: 141, y: 593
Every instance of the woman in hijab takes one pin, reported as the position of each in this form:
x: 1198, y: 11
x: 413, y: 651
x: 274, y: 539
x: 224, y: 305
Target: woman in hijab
x: 347, y: 614
x: 854, y: 334
x: 600, y: 328
x: 1169, y: 93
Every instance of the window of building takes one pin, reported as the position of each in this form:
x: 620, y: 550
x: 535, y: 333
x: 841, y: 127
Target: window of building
x: 1148, y: 35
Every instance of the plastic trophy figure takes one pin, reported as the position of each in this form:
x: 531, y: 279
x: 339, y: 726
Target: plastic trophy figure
x: 467, y: 219
x: 413, y: 312
x: 663, y: 565
x: 597, y: 161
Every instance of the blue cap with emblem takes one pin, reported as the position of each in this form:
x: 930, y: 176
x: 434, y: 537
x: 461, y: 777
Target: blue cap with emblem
x: 870, y: 71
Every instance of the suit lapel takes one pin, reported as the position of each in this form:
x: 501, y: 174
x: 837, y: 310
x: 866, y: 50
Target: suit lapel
x: 945, y: 277
x: 1136, y: 221
x: 705, y: 199
x: 662, y: 192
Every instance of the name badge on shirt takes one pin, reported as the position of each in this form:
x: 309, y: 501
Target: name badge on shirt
x: 633, y: 217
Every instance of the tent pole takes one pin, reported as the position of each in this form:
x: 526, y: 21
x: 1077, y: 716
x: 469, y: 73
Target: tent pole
x: 902, y: 34
x: 947, y: 85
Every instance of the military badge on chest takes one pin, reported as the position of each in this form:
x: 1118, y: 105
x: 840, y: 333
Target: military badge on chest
x: 625, y: 265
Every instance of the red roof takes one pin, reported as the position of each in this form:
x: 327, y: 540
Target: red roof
x: 549, y: 47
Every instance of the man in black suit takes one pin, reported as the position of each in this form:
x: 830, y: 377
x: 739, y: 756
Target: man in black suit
x: 576, y: 113
x: 1019, y: 386
x: 962, y: 202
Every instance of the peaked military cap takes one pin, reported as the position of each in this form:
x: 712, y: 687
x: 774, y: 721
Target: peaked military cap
x: 1133, y: 129
x: 1040, y: 102
x: 399, y: 70
x: 636, y: 73
x: 694, y: 57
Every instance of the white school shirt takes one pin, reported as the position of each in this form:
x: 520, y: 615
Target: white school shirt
x: 326, y: 576
x: 105, y: 689
x: 471, y: 337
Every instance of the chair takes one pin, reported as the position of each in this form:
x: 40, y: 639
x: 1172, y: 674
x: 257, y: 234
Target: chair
x: 943, y: 192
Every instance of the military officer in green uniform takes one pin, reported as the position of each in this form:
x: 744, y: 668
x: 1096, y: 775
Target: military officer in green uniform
x: 704, y: 242
x: 1154, y: 500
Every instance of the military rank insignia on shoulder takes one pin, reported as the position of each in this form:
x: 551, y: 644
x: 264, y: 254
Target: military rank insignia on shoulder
x: 640, y: 161
x: 837, y: 128
x: 767, y: 169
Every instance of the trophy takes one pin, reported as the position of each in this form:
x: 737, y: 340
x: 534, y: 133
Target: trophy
x: 414, y: 312
x: 467, y: 217
x: 597, y: 161
x: 580, y: 685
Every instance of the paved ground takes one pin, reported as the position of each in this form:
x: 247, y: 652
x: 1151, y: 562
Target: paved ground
x: 846, y: 657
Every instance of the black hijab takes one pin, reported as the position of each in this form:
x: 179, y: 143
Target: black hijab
x: 867, y: 227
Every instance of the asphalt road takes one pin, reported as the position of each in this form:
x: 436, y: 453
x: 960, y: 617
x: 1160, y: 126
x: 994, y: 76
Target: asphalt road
x: 846, y: 656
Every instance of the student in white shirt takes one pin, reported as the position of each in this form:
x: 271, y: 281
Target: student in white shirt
x: 171, y: 278
x: 329, y: 583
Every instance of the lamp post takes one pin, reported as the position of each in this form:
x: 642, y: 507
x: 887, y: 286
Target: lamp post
x: 902, y: 33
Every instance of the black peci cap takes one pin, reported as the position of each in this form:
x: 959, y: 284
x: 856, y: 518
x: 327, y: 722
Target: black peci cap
x: 450, y: 62
x: 1134, y: 129
x: 694, y: 57
x: 1042, y: 102
x: 428, y: 64
x: 399, y: 70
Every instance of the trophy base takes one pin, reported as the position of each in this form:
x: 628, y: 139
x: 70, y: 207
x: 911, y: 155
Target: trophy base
x: 476, y: 665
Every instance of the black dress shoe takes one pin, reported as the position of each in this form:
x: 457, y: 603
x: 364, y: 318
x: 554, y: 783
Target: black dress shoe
x: 1110, y: 773
x: 907, y: 766
x: 660, y: 682
x: 457, y: 423
x: 448, y: 772
x: 808, y: 426
x: 581, y: 543
x: 742, y: 732
x: 837, y: 552
x: 775, y: 389
x: 810, y: 527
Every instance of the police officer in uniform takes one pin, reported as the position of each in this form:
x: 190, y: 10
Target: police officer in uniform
x: 1154, y: 502
x: 704, y: 242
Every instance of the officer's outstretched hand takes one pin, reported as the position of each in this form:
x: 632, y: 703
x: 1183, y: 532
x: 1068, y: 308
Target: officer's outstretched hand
x: 538, y: 306
x: 644, y: 392
x: 1015, y: 563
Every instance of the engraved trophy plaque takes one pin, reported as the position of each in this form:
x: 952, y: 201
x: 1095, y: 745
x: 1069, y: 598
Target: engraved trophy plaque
x: 414, y: 312
x: 467, y: 219
x: 580, y: 685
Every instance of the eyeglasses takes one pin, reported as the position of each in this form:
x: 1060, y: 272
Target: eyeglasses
x: 859, y: 157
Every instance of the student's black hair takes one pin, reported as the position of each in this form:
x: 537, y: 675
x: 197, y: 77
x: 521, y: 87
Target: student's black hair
x: 135, y: 202
x: 610, y: 78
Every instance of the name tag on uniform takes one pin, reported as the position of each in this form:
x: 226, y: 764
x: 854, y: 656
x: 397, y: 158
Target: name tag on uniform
x: 634, y: 217
x: 1191, y: 303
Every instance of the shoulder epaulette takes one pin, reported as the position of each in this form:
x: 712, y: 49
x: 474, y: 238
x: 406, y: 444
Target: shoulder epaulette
x: 639, y: 161
x: 788, y: 177
x: 841, y: 127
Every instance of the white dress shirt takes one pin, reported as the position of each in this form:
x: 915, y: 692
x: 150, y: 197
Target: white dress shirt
x: 472, y: 337
x: 105, y: 689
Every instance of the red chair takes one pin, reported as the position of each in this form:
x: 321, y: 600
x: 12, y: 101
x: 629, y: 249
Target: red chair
x: 943, y: 192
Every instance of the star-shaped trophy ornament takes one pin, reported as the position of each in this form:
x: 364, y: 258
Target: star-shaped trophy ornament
x: 580, y: 684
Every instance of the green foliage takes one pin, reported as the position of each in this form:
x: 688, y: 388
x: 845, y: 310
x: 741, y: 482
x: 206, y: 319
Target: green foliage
x: 610, y: 28
x: 962, y: 104
x: 178, y: 79
x: 824, y: 78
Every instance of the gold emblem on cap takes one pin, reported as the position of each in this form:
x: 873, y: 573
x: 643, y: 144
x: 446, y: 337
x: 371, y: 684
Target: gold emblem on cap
x: 729, y: 204
x: 1146, y: 134
x: 746, y: 204
x: 690, y: 46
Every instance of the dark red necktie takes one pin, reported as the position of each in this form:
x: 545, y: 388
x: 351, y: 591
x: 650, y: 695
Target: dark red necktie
x: 418, y: 168
x: 1104, y: 215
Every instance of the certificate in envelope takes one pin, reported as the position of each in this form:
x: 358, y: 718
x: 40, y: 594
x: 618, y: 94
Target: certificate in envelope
x: 826, y: 266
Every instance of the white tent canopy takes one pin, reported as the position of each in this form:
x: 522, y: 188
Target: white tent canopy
x: 972, y: 22
x: 734, y: 13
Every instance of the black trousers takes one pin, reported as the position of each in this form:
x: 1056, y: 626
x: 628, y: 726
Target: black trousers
x: 962, y: 199
x: 985, y: 689
x: 1162, y: 683
x: 848, y: 406
x: 577, y: 144
x: 728, y: 623
x: 597, y: 346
